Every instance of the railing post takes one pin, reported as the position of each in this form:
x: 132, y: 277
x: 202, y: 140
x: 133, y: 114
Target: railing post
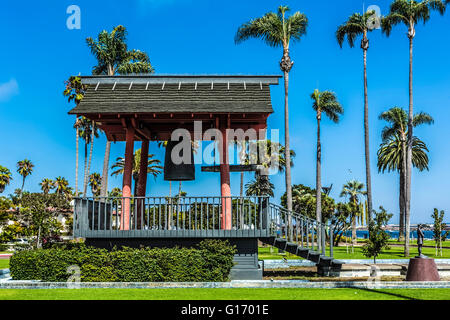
x: 323, y: 232
x: 331, y: 240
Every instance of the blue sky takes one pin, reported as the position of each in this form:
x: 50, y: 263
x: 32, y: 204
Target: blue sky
x: 185, y: 36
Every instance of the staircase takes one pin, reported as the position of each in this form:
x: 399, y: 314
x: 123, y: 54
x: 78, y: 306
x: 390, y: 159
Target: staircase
x: 303, y: 237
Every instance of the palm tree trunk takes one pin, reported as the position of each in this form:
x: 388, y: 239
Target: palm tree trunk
x: 104, y: 187
x: 85, y: 170
x: 23, y: 185
x: 241, y: 193
x: 366, y: 139
x: 76, y: 162
x: 409, y: 151
x: 354, y: 225
x: 287, y: 153
x: 318, y: 183
x: 401, y: 224
x: 318, y: 174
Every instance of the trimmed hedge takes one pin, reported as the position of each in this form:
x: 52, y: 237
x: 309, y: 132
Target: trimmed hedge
x: 211, y: 260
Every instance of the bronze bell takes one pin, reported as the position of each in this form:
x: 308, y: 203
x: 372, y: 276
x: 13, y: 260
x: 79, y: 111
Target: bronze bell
x: 178, y: 172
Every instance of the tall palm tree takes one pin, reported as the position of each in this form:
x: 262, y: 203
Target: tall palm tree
x: 62, y: 186
x: 360, y: 25
x: 153, y: 167
x: 88, y: 130
x: 47, y: 185
x: 397, y: 129
x: 5, y: 178
x: 391, y: 158
x: 353, y: 190
x: 75, y: 91
x: 113, y: 57
x: 278, y: 30
x: 409, y: 13
x: 24, y: 168
x: 323, y: 101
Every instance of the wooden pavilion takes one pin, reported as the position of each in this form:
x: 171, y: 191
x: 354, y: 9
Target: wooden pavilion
x: 149, y: 108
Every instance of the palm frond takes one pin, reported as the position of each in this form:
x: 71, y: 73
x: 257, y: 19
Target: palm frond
x: 422, y: 118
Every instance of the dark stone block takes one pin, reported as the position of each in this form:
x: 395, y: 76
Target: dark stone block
x: 422, y: 269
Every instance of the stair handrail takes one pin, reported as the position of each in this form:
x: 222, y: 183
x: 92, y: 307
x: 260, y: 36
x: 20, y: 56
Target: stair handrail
x: 321, y: 226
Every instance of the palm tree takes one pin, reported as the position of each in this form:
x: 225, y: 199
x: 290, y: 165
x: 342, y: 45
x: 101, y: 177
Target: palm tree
x: 24, y: 168
x: 62, y: 186
x: 277, y: 30
x: 153, y: 168
x: 325, y: 101
x: 75, y: 91
x: 353, y: 190
x: 261, y: 186
x: 360, y: 25
x: 274, y: 157
x: 88, y: 130
x: 47, y: 185
x: 113, y: 57
x: 5, y: 178
x: 397, y: 130
x: 95, y: 180
x: 409, y: 12
x: 391, y: 158
x: 115, y: 193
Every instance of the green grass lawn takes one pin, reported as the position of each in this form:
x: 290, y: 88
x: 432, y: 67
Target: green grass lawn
x: 395, y: 252
x: 223, y: 294
x: 4, y: 263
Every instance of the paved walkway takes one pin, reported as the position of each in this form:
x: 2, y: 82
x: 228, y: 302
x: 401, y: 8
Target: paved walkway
x: 232, y: 284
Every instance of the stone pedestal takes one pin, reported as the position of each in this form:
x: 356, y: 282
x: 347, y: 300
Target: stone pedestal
x: 422, y: 269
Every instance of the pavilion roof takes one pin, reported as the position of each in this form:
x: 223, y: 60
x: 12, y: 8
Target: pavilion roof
x: 140, y: 94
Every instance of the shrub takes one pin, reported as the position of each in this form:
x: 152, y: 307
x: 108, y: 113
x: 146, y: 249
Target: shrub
x: 211, y: 260
x: 378, y: 237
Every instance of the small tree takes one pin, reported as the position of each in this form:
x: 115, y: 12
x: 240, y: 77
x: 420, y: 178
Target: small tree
x: 38, y: 214
x: 378, y: 237
x: 341, y: 221
x: 438, y: 227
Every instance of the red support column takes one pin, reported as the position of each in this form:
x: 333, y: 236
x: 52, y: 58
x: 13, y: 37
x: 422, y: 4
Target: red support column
x: 142, y: 184
x: 127, y: 178
x: 225, y: 183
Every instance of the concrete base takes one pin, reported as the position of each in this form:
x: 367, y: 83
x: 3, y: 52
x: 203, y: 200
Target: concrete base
x: 246, y: 259
x: 422, y: 269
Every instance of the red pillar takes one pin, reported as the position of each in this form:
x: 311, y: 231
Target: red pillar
x: 127, y: 178
x: 225, y: 189
x: 142, y: 184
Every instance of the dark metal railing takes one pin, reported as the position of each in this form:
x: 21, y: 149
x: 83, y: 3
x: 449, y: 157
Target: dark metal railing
x: 165, y: 217
x: 306, y: 232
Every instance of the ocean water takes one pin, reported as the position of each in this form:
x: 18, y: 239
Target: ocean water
x: 364, y: 234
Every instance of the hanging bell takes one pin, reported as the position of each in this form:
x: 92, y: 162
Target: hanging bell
x: 178, y: 172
